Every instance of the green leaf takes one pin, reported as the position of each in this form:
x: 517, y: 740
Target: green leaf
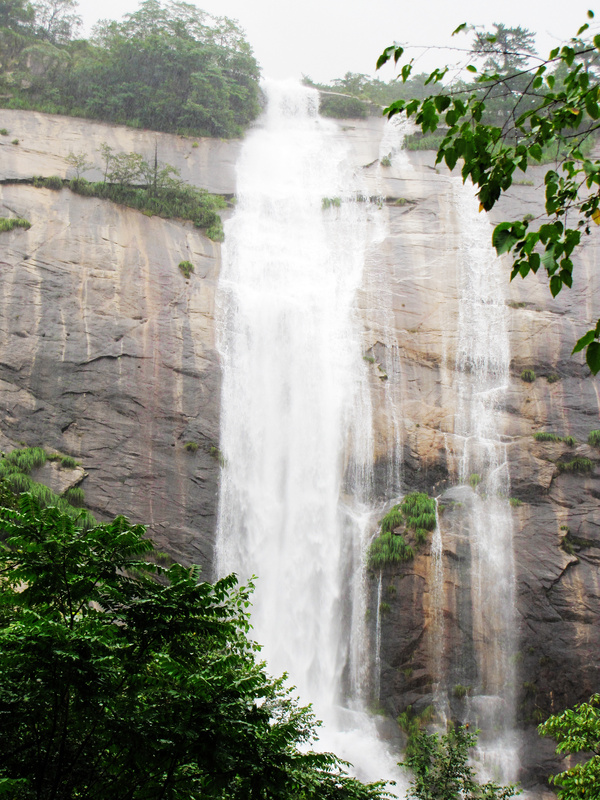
x: 582, y: 29
x: 566, y: 277
x: 471, y: 68
x: 591, y: 106
x: 555, y: 285
x: 524, y: 269
x: 460, y: 28
x: 535, y: 151
x: 590, y: 14
x: 584, y: 341
x: 387, y: 54
x: 503, y: 238
x: 592, y: 357
x: 450, y: 157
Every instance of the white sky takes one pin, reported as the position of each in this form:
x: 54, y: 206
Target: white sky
x: 326, y: 38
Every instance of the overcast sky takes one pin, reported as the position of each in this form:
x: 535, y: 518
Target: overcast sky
x: 326, y: 38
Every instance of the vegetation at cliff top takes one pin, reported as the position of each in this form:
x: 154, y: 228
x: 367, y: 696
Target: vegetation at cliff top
x: 153, y: 188
x: 516, y: 109
x: 416, y: 513
x: 168, y: 66
x: 126, y: 680
x: 577, y: 730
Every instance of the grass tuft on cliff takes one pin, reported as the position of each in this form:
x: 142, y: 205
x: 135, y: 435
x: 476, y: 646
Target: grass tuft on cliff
x: 10, y: 223
x: 15, y: 469
x: 549, y: 436
x: 578, y: 465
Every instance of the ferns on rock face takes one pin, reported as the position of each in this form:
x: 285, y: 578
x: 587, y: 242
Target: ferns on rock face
x: 389, y: 549
x: 415, y: 513
x: 393, y: 519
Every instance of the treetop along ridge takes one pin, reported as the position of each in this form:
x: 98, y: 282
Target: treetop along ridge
x: 550, y: 105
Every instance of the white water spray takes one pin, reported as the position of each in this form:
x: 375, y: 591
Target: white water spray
x: 296, y: 418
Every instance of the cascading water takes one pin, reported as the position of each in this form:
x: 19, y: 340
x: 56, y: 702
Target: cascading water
x: 296, y: 419
x: 480, y: 382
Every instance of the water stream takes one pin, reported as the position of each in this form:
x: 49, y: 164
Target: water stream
x: 481, y: 380
x: 296, y: 432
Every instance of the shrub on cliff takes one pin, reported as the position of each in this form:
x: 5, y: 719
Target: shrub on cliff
x: 10, y: 223
x: 441, y: 769
x: 416, y: 513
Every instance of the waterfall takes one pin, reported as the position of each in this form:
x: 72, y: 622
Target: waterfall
x: 436, y: 577
x: 296, y: 432
x: 480, y: 381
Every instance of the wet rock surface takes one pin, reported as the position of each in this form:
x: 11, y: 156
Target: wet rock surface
x: 107, y: 354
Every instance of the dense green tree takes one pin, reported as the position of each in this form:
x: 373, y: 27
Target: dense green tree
x: 125, y: 680
x: 57, y: 20
x: 506, y: 50
x: 557, y: 118
x: 577, y: 730
x: 168, y: 66
x: 16, y: 15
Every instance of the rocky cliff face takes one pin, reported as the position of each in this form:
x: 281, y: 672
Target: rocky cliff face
x: 107, y: 353
x: 106, y: 350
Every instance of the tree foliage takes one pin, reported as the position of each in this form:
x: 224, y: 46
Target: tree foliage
x: 126, y: 680
x: 441, y: 770
x: 168, y: 66
x: 556, y: 109
x: 577, y: 730
x: 57, y: 20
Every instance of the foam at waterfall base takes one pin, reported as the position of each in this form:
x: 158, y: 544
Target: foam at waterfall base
x: 497, y: 752
x: 354, y: 736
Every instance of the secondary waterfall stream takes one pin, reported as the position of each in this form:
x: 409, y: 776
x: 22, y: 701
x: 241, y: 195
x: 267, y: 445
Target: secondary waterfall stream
x: 480, y: 381
x: 296, y: 433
